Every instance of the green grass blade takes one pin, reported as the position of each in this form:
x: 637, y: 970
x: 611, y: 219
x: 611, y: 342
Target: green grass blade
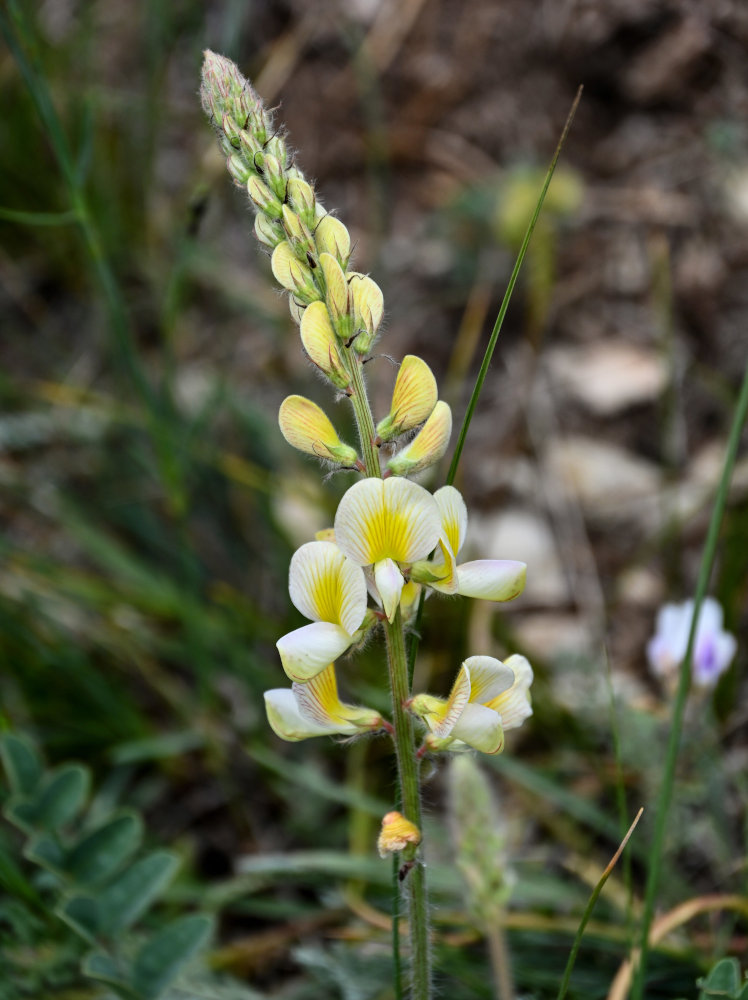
x: 590, y: 907
x: 676, y: 727
x: 37, y: 218
x: 507, y: 297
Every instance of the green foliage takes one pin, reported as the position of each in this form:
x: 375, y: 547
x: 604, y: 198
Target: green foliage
x: 724, y: 980
x: 103, y: 888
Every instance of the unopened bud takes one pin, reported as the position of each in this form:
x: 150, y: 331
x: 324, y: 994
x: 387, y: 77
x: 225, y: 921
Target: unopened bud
x: 367, y: 307
x: 332, y: 237
x: 264, y: 198
x: 292, y: 275
x: 427, y: 446
x: 306, y: 427
x: 396, y: 834
x: 321, y: 344
x: 268, y: 232
x: 238, y: 169
x: 301, y: 198
x: 231, y: 130
x: 413, y: 399
x: 336, y: 291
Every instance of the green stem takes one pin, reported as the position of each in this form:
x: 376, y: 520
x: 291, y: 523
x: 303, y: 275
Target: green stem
x: 364, y: 419
x: 407, y: 768
x: 676, y: 728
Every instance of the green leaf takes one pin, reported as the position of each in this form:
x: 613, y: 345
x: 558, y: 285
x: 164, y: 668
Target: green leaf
x: 99, y: 855
x: 100, y: 966
x: 130, y: 895
x: 22, y: 765
x: 723, y: 980
x: 159, y: 960
x: 47, y: 852
x: 58, y: 801
x: 82, y: 914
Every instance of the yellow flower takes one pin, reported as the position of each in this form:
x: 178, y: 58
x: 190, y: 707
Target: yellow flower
x: 367, y: 303
x: 427, y: 446
x: 413, y: 398
x: 306, y: 427
x: 315, y: 709
x: 329, y: 589
x: 487, y: 697
x: 487, y: 579
x: 292, y: 274
x: 387, y: 524
x: 321, y: 344
x: 396, y: 834
x: 332, y: 237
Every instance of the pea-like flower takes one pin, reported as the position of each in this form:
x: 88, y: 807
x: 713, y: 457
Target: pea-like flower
x: 488, y: 579
x: 487, y: 698
x: 330, y: 589
x: 315, y: 709
x: 713, y: 648
x: 387, y: 524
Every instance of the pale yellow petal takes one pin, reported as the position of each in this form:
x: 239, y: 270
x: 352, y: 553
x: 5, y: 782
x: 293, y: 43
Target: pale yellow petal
x: 389, y: 583
x: 367, y: 304
x: 387, y: 519
x: 454, y: 517
x: 290, y: 273
x: 396, y: 834
x: 321, y: 343
x: 459, y: 697
x: 480, y: 728
x: 514, y: 705
x: 428, y: 446
x: 327, y: 586
x: 489, y: 678
x: 307, y: 650
x: 336, y: 294
x: 413, y: 398
x: 320, y: 703
x: 306, y: 427
x: 332, y: 237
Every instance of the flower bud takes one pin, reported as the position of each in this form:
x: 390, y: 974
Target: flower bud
x: 231, y: 130
x: 306, y: 427
x: 332, y: 237
x: 296, y: 309
x: 238, y: 169
x: 336, y: 291
x: 413, y: 398
x: 301, y: 199
x: 297, y: 233
x: 264, y: 198
x: 321, y: 344
x: 396, y: 834
x: 368, y: 307
x: 268, y: 232
x: 291, y: 274
x: 427, y: 446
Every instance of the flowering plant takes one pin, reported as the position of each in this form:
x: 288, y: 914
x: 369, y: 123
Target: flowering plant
x: 392, y: 539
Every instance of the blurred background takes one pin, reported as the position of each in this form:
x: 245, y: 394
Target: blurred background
x: 150, y: 506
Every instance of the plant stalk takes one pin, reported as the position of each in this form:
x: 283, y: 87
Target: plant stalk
x: 407, y: 768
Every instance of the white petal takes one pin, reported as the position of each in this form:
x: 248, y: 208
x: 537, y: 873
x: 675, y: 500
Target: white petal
x: 489, y: 678
x: 491, y: 579
x: 454, y: 517
x: 287, y: 721
x: 307, y: 650
x: 456, y: 705
x: 326, y: 586
x: 481, y: 728
x: 389, y: 582
x: 387, y: 519
x: 514, y: 705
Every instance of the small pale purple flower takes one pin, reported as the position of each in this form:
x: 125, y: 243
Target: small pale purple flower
x: 713, y: 647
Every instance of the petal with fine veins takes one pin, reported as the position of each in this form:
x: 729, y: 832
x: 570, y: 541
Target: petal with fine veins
x: 455, y: 706
x: 481, y: 728
x: 386, y: 519
x: 491, y: 579
x: 327, y: 586
x: 454, y: 517
x: 309, y: 649
x: 287, y: 721
x: 513, y: 705
x: 319, y: 702
x: 489, y: 678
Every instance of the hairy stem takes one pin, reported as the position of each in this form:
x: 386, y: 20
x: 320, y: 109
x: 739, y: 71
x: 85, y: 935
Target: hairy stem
x: 407, y: 769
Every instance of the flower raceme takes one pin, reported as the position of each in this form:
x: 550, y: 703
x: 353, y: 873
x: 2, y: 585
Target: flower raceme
x: 487, y: 698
